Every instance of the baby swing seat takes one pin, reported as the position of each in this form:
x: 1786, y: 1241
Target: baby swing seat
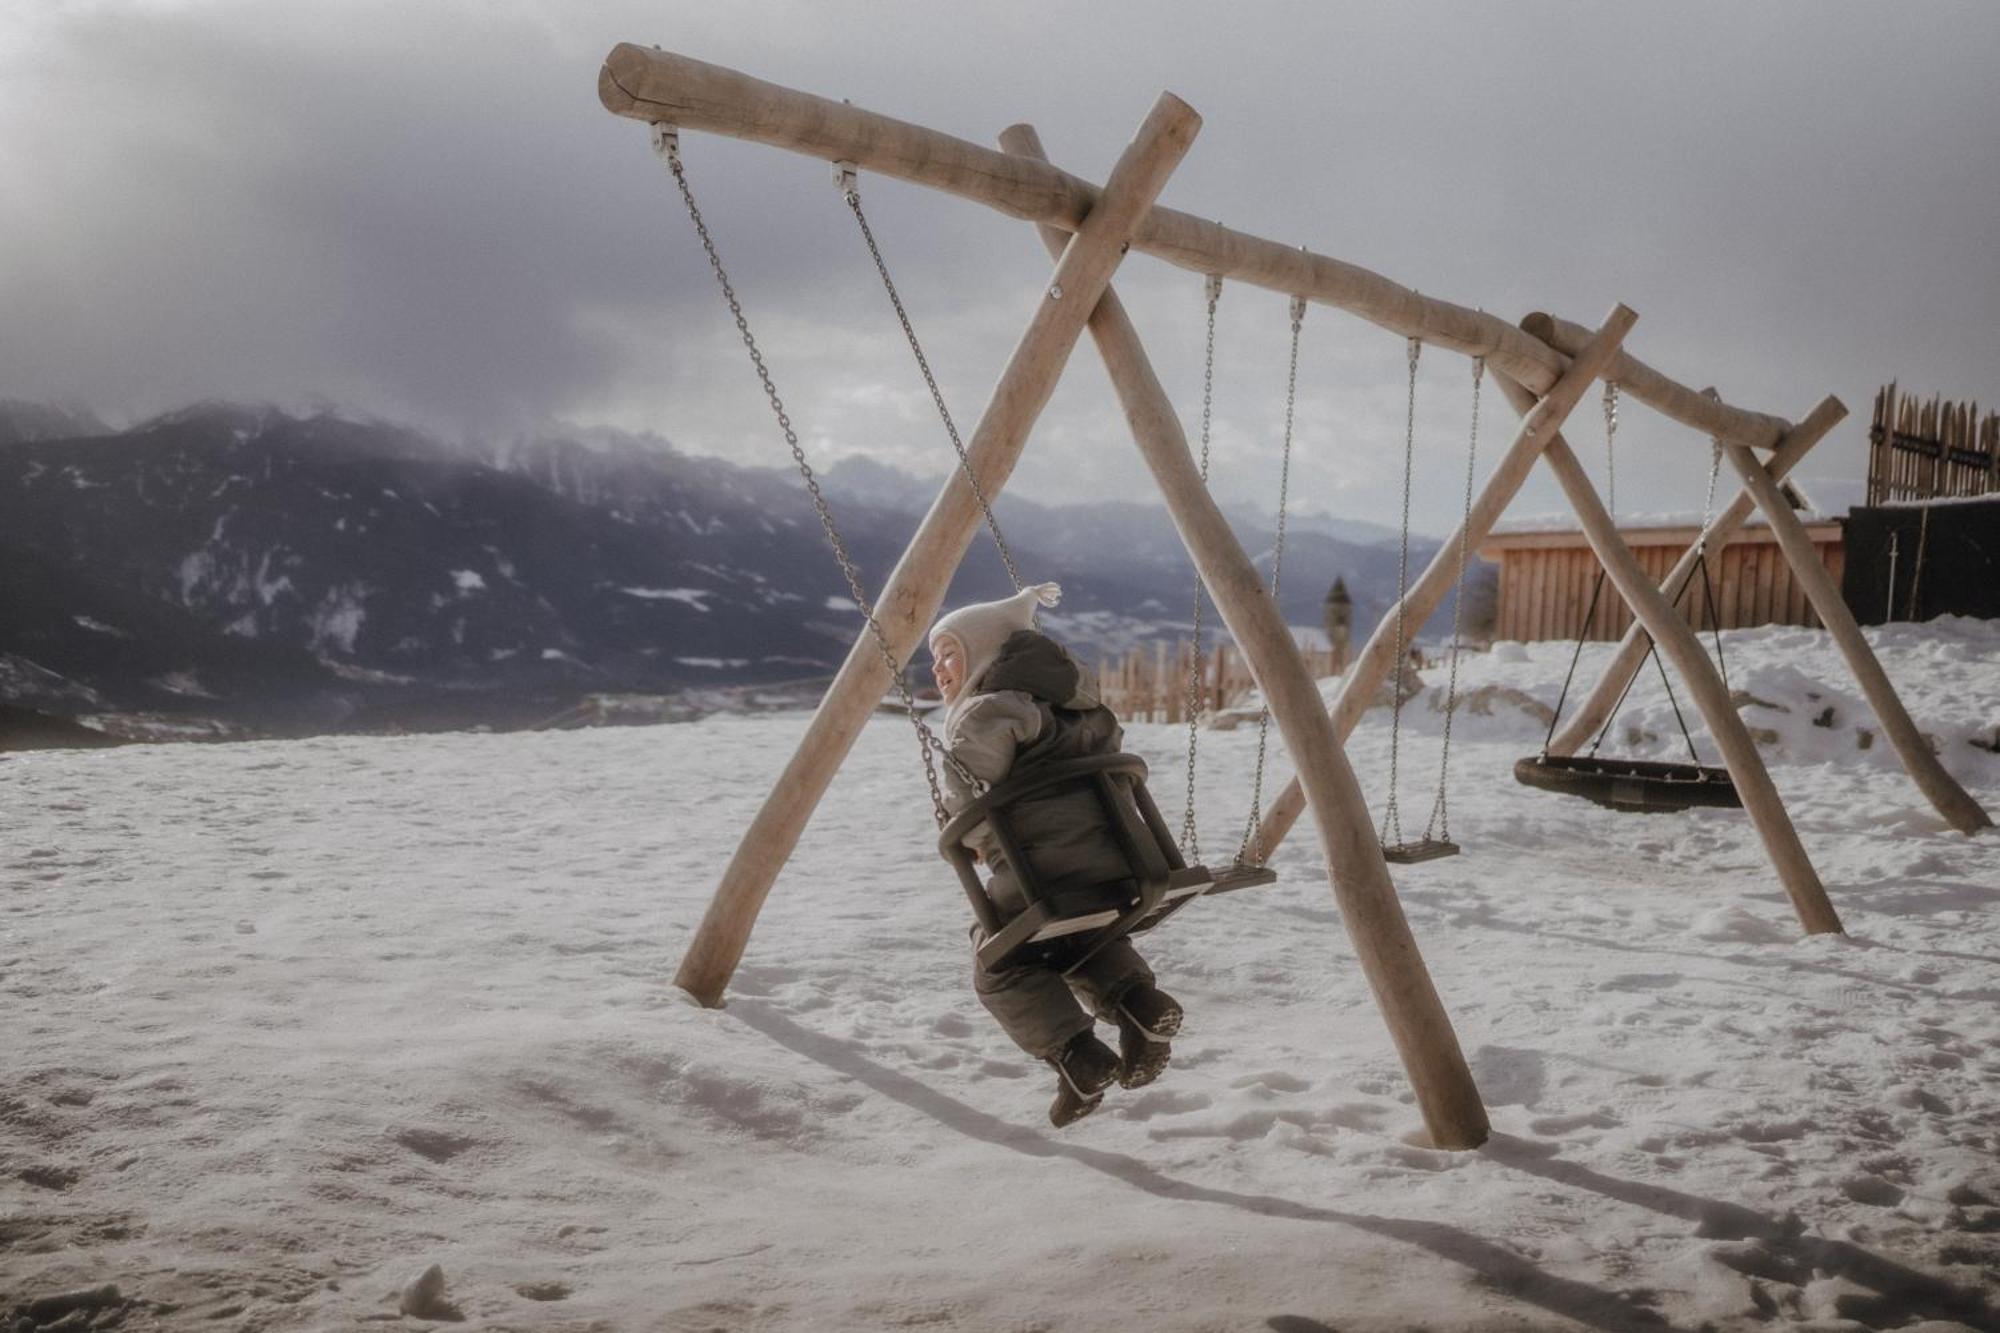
x: 1159, y: 882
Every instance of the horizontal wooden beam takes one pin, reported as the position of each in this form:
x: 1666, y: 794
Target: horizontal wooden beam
x: 1691, y: 407
x: 648, y: 84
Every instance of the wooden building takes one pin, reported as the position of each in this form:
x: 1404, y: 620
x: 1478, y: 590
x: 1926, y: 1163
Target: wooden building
x: 1546, y: 579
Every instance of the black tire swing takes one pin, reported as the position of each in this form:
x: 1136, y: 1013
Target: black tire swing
x: 1646, y: 786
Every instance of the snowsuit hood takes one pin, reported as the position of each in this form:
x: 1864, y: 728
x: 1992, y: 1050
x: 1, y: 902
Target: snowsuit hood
x: 1036, y: 665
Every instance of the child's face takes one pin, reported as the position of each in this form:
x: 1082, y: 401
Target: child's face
x: 948, y: 666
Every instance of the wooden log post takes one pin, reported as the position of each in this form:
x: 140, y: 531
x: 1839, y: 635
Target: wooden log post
x: 1595, y: 710
x: 1377, y: 659
x: 1677, y: 640
x: 653, y: 85
x: 1944, y: 792
x: 1449, y: 1100
x: 910, y: 600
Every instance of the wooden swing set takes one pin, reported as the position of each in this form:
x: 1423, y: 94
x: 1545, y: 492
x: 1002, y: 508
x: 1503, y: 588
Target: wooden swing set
x: 1544, y: 367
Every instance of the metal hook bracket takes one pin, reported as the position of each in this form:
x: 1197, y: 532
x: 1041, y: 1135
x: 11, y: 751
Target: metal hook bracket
x: 666, y: 139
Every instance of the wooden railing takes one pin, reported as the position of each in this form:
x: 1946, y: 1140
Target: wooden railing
x: 1151, y: 684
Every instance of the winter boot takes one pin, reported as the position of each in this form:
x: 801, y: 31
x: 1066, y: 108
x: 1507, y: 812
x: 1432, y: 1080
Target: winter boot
x: 1084, y: 1070
x: 1148, y: 1018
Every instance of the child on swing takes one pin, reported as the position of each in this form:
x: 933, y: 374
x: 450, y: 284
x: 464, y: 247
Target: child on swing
x: 1016, y: 700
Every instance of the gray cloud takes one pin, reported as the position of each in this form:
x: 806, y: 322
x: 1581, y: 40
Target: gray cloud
x: 421, y: 210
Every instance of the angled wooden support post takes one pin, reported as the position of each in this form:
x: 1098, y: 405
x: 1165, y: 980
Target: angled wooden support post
x: 1753, y: 782
x: 1595, y: 710
x: 1449, y: 1100
x: 910, y: 600
x: 1378, y: 658
x: 1951, y: 800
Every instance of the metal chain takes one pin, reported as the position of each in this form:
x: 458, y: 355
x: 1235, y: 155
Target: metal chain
x: 1708, y: 504
x: 1610, y: 458
x: 667, y: 143
x: 1251, y: 850
x: 1190, y: 836
x: 1440, y: 820
x: 1701, y: 555
x: 1392, y: 816
x: 1714, y: 470
x: 852, y: 193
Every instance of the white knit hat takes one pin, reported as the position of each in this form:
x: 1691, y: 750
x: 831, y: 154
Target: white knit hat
x: 982, y: 627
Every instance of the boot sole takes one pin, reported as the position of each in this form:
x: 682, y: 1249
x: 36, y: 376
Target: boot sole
x: 1063, y: 1121
x: 1168, y: 1026
x: 1148, y: 1069
x: 1082, y: 1099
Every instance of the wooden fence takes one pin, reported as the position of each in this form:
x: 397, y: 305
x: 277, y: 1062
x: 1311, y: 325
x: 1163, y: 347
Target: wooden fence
x: 1150, y: 684
x: 1925, y: 451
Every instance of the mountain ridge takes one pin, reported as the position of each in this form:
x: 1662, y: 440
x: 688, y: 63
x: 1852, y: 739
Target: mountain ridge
x: 317, y: 572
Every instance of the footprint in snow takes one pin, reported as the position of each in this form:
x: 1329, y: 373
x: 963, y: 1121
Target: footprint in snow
x: 1643, y: 981
x: 49, y: 1177
x: 1271, y: 1081
x: 1866, y: 1187
x: 433, y: 1144
x: 1163, y: 1101
x: 1557, y: 1125
x: 1918, y: 1099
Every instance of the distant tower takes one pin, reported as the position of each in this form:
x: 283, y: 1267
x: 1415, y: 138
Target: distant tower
x: 1338, y: 615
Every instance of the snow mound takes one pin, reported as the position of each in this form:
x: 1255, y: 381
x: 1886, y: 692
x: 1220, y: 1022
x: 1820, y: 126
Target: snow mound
x: 1731, y: 924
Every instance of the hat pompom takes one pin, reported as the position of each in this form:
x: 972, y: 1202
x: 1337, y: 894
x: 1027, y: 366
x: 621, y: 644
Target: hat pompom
x: 982, y: 628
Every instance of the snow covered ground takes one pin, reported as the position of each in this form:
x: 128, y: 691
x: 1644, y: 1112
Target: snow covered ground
x: 287, y: 1023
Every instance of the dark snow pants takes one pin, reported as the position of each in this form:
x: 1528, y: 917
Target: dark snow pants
x: 1040, y: 1009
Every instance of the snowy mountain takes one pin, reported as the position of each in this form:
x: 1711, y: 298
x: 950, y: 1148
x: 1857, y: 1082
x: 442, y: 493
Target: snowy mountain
x: 314, y: 572
x: 24, y: 422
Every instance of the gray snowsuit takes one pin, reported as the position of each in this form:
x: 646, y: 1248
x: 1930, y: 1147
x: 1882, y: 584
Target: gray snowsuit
x: 1027, y: 709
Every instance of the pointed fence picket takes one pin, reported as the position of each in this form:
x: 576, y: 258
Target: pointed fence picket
x: 1150, y: 683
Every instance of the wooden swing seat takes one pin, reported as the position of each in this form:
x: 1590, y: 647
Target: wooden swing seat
x: 1645, y: 785
x: 1159, y: 883
x: 1418, y: 849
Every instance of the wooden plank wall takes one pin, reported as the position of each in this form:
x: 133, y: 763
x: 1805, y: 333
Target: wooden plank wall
x: 1927, y: 451
x: 1545, y: 591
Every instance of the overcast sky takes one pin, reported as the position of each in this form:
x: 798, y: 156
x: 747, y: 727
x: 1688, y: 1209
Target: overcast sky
x: 418, y: 209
